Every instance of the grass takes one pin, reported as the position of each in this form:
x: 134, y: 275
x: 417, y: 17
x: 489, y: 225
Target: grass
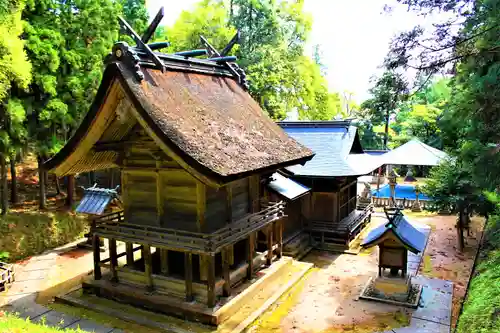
x: 481, y: 311
x: 12, y: 324
x: 27, y: 233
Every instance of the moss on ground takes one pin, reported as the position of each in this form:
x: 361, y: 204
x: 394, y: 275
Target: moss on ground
x: 23, y: 234
x: 481, y: 311
x: 270, y: 321
x: 12, y: 324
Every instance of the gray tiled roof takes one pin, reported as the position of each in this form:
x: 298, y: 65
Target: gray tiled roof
x: 95, y: 200
x: 336, y: 145
x: 286, y: 187
x: 410, y: 236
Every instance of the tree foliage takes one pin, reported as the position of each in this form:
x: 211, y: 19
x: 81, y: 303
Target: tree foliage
x: 271, y: 51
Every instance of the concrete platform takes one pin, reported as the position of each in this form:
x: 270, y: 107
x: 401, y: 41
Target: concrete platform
x: 234, y: 315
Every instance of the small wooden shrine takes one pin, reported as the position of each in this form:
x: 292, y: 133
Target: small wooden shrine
x: 328, y: 215
x: 394, y: 239
x: 195, y: 153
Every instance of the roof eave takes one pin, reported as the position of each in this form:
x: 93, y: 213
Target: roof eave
x: 52, y: 164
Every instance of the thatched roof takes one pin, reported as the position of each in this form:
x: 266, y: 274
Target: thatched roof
x: 200, y: 115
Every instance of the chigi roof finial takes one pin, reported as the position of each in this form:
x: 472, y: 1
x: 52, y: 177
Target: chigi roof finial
x: 145, y: 54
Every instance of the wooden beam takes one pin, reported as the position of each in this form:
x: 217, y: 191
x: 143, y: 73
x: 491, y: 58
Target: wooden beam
x: 229, y: 46
x: 226, y: 273
x: 201, y: 204
x: 148, y: 266
x: 140, y: 44
x: 96, y: 248
x: 159, y: 201
x: 269, y: 259
x: 164, y: 261
x: 129, y: 249
x: 188, y: 276
x: 152, y: 26
x: 113, y: 259
x: 211, y: 282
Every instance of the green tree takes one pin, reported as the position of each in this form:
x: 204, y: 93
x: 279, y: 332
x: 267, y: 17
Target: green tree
x: 387, y: 92
x: 15, y: 72
x: 420, y: 115
x: 66, y: 42
x: 273, y: 36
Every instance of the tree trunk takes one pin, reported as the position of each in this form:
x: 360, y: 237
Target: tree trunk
x: 41, y: 183
x: 71, y: 191
x: 58, y: 185
x: 386, y: 130
x: 460, y: 232
x: 13, y: 181
x: 5, y: 190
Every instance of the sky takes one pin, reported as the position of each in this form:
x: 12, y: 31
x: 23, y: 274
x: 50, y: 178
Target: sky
x: 353, y: 35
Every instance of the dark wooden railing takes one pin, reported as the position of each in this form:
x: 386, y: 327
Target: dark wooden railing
x: 347, y: 224
x: 114, y: 226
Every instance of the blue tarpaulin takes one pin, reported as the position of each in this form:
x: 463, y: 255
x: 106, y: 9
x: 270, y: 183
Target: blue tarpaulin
x: 95, y: 200
x: 286, y: 187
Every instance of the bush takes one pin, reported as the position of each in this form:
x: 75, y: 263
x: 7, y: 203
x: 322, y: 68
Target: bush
x: 10, y: 323
x: 29, y: 233
x: 481, y: 311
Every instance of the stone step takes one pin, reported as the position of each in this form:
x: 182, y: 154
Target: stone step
x: 266, y: 297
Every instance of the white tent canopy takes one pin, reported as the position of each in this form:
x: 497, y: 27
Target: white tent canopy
x: 414, y: 152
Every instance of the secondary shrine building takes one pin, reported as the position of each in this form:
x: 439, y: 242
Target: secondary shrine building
x: 195, y: 153
x: 328, y: 217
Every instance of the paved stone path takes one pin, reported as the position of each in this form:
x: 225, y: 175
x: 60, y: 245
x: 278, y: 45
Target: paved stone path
x: 31, y: 278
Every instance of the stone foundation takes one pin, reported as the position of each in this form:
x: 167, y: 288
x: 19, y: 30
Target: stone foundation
x: 393, y: 288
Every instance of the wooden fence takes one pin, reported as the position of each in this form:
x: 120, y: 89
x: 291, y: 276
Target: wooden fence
x: 405, y: 203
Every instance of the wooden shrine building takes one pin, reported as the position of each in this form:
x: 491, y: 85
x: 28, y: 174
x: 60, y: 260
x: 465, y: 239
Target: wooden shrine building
x: 195, y: 152
x: 328, y: 215
x: 394, y: 239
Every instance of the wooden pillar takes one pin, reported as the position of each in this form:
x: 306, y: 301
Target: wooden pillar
x: 279, y: 231
x: 269, y: 259
x: 254, y: 193
x: 148, y: 266
x: 229, y: 204
x: 226, y: 272
x: 203, y: 267
x: 250, y: 252
x: 201, y: 205
x: 164, y: 261
x: 129, y: 249
x: 211, y: 282
x: 188, y: 275
x: 97, y: 257
x: 71, y: 191
x: 113, y: 256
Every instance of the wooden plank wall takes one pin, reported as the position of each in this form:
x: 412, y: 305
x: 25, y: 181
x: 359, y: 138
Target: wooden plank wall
x: 322, y: 206
x: 179, y: 199
x: 240, y: 198
x: 138, y: 189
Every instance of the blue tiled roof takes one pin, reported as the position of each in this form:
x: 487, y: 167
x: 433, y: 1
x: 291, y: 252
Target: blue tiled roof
x: 95, y: 200
x: 337, y: 148
x: 411, y: 237
x: 287, y: 187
